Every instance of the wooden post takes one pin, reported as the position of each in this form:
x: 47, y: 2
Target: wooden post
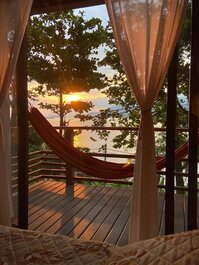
x: 170, y: 144
x: 69, y: 169
x: 105, y: 151
x: 22, y: 124
x: 193, y: 119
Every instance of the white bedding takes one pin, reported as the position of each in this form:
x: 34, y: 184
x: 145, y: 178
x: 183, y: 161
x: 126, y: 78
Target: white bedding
x: 179, y: 249
x: 20, y: 247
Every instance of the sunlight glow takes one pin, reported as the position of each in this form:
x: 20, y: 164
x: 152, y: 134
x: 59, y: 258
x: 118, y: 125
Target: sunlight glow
x: 72, y: 97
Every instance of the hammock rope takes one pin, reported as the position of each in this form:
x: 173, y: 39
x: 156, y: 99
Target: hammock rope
x: 83, y: 161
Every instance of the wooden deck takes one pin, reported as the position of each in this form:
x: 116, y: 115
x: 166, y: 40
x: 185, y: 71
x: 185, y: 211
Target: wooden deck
x: 89, y: 212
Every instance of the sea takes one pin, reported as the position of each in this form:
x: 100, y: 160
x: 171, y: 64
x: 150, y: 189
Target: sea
x: 91, y: 140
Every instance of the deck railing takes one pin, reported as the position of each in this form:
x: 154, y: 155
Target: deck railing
x: 45, y: 164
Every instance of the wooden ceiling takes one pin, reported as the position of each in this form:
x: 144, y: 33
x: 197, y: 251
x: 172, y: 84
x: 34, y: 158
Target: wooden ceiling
x: 45, y: 6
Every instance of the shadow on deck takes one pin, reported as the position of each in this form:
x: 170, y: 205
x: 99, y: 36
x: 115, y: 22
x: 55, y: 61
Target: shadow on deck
x: 90, y: 212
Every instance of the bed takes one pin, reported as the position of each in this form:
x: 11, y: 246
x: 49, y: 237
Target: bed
x: 27, y: 247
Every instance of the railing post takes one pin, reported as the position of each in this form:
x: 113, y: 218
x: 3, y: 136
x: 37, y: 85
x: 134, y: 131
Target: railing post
x: 69, y: 135
x: 193, y: 120
x: 170, y: 144
x: 22, y: 106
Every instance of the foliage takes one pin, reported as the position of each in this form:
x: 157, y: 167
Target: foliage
x: 125, y: 111
x: 63, y: 58
x: 35, y: 141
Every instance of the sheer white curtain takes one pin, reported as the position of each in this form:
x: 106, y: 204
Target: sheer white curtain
x: 146, y: 33
x: 13, y: 19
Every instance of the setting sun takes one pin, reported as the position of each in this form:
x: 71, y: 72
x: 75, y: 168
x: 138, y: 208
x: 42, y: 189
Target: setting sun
x: 72, y: 97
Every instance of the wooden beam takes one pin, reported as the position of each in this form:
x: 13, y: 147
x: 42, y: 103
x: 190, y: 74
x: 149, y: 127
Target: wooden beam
x: 69, y: 135
x: 47, y: 6
x: 22, y: 121
x: 170, y: 145
x: 193, y: 119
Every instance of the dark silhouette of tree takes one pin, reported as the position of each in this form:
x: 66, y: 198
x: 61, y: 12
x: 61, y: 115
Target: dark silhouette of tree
x: 63, y: 59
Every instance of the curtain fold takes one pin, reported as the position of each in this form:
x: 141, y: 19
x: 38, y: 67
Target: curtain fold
x: 14, y: 15
x: 5, y: 158
x: 146, y: 33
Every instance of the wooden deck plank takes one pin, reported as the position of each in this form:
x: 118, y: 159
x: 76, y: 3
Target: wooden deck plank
x: 186, y: 211
x: 48, y: 216
x: 45, y: 200
x: 109, y: 221
x: 89, y: 212
x: 33, y: 186
x: 124, y: 237
x: 161, y: 210
x: 179, y: 221
x: 52, y: 202
x: 65, y: 206
x: 89, y: 218
x: 40, y: 191
x: 94, y: 226
x: 77, y: 218
x: 67, y: 214
x: 38, y: 185
x: 117, y: 228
